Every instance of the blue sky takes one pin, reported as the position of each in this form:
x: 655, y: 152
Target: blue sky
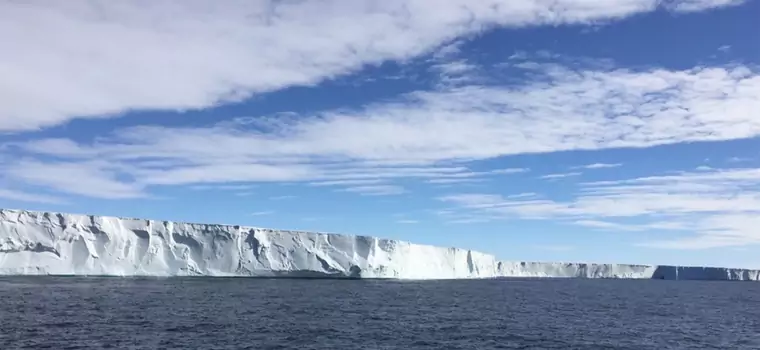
x: 582, y: 130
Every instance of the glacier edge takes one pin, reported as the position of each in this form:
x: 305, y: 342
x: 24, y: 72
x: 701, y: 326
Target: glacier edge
x: 47, y: 243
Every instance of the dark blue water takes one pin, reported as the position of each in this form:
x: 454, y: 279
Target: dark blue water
x: 207, y: 313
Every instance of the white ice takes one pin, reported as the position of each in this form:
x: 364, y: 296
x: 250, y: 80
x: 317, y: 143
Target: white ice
x: 34, y: 243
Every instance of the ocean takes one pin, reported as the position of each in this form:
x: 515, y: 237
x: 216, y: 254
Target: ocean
x: 247, y: 313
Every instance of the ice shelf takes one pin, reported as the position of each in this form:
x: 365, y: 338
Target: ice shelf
x: 47, y: 243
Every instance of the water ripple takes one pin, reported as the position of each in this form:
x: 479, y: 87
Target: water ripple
x: 236, y: 313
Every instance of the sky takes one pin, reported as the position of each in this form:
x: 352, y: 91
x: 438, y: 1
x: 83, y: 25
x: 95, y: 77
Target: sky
x: 565, y: 130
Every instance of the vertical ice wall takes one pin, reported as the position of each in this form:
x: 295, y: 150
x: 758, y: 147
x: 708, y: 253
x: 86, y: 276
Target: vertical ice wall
x: 69, y: 244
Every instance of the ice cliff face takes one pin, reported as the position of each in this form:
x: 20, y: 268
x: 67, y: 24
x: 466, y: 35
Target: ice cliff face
x: 65, y: 244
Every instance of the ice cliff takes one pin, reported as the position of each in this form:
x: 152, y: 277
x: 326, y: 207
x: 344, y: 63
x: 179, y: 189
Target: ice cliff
x: 33, y: 243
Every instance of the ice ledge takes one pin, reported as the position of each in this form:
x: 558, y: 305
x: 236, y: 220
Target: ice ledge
x: 47, y: 243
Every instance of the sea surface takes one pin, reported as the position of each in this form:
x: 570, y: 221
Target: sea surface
x: 240, y: 313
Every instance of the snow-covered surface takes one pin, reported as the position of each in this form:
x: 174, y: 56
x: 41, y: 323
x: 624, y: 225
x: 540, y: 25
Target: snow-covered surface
x: 33, y: 243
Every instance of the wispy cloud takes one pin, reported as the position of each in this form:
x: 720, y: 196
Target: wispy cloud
x: 455, y: 180
x: 347, y: 182
x: 245, y: 193
x: 598, y: 166
x: 607, y: 225
x: 509, y: 171
x: 376, y: 190
x: 739, y: 159
x: 599, y: 109
x: 721, y: 207
x: 262, y: 213
x: 474, y: 176
x: 90, y: 178
x: 701, y: 5
x: 407, y: 221
x: 222, y: 187
x: 456, y: 72
x: 29, y: 197
x: 195, y: 56
x: 560, y: 175
x: 279, y: 198
x: 522, y: 195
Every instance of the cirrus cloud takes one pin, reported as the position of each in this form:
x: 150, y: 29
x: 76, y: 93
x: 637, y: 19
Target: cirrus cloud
x: 431, y: 134
x: 709, y: 209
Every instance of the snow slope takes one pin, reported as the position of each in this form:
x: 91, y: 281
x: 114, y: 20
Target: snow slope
x: 34, y: 243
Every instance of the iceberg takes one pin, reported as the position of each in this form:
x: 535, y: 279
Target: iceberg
x: 48, y: 243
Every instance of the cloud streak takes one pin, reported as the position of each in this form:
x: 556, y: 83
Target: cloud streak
x: 29, y: 197
x: 701, y: 5
x: 376, y: 190
x: 720, y: 207
x: 198, y: 54
x: 89, y: 178
x: 422, y: 135
x: 599, y: 166
x: 559, y: 175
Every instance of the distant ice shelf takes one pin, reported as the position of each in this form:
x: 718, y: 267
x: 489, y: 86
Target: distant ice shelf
x: 47, y: 243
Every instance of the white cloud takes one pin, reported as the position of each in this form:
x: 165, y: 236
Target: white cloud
x: 376, y: 190
x: 99, y: 59
x: 599, y: 166
x: 452, y: 67
x: 738, y: 159
x: 429, y: 134
x: 509, y: 171
x: 29, y: 197
x: 701, y: 5
x: 262, y: 213
x: 560, y: 175
x: 246, y: 194
x: 523, y: 195
x: 473, y: 176
x: 347, y: 182
x: 455, y: 181
x: 720, y: 207
x: 455, y: 68
x: 222, y: 187
x: 93, y: 179
x: 605, y: 225
x: 407, y: 221
x: 279, y: 198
